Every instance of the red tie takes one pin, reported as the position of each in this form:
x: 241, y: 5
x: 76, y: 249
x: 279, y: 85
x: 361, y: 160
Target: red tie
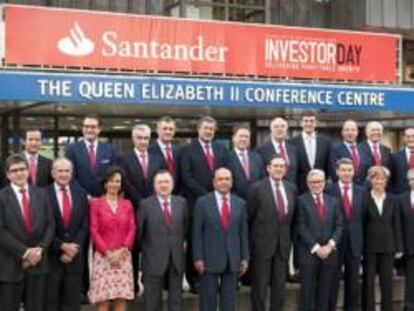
x: 209, y: 156
x: 355, y: 157
x: 411, y: 160
x: 377, y: 155
x: 283, y: 154
x: 166, y: 213
x: 170, y: 159
x: 92, y: 156
x: 320, y: 208
x: 26, y: 211
x: 32, y: 169
x: 280, y: 203
x: 245, y: 164
x: 347, y: 202
x: 66, y: 207
x: 144, y: 164
x: 225, y: 214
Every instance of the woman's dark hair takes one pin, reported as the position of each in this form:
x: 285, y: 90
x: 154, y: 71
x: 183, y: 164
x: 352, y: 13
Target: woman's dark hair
x: 111, y: 172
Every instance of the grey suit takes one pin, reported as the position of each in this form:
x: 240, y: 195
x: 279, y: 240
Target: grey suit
x: 221, y: 250
x: 163, y: 254
x: 14, y: 242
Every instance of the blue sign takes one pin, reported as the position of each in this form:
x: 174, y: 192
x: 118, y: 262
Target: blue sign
x: 157, y: 90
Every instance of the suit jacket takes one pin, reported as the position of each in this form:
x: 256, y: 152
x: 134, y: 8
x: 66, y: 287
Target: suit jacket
x: 44, y: 171
x: 211, y: 243
x: 353, y: 226
x: 196, y: 176
x: 158, y: 241
x: 367, y: 159
x: 87, y: 178
x: 323, y: 147
x: 241, y: 184
x: 399, y: 169
x: 76, y: 232
x: 109, y: 230
x: 267, y: 152
x: 383, y: 233
x: 137, y: 186
x: 267, y: 234
x: 14, y: 241
x: 340, y: 151
x: 407, y: 223
x: 3, y: 178
x: 310, y: 229
x: 155, y: 149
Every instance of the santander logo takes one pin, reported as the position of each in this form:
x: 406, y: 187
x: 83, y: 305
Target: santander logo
x: 76, y: 44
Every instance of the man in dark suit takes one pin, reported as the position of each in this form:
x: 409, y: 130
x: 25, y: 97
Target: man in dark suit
x: 40, y: 167
x: 407, y: 223
x: 348, y: 148
x: 140, y: 166
x: 69, y: 204
x: 221, y: 248
x: 246, y: 166
x: 277, y: 145
x: 90, y: 158
x: 319, y: 225
x: 164, y: 148
x: 401, y: 162
x: 270, y: 208
x: 198, y: 162
x: 373, y: 152
x: 352, y: 199
x: 312, y: 149
x: 162, y: 230
x: 26, y: 231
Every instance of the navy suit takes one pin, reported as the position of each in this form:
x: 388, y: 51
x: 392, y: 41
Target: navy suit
x: 221, y: 251
x: 3, y: 178
x: 407, y: 223
x: 196, y: 175
x: 267, y: 151
x: 312, y: 231
x: 137, y: 186
x: 351, y: 246
x: 88, y: 178
x: 367, y: 158
x: 241, y: 184
x: 399, y: 165
x: 340, y: 151
x: 65, y: 280
x: 323, y: 147
x: 44, y: 172
x: 155, y: 149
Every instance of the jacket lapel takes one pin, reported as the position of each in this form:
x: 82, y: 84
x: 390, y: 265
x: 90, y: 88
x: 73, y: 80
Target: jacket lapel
x: 16, y: 207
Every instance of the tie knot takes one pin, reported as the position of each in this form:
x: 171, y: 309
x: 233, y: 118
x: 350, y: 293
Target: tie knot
x: 224, y: 198
x: 207, y: 145
x: 91, y: 146
x: 32, y: 158
x: 277, y: 184
x: 22, y: 190
x: 346, y: 187
x: 167, y: 147
x: 352, y: 146
x: 63, y: 189
x: 165, y: 204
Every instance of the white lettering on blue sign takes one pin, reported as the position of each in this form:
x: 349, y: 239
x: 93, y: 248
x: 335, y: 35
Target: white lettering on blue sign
x: 106, y: 90
x: 60, y: 88
x: 364, y: 98
x: 184, y: 92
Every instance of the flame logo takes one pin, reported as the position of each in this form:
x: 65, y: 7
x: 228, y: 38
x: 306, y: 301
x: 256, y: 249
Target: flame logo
x: 76, y: 44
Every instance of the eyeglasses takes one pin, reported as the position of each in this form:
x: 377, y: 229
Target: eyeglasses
x: 18, y: 170
x: 316, y: 181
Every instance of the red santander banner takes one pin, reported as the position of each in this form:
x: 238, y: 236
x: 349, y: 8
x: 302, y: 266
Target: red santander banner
x: 85, y: 39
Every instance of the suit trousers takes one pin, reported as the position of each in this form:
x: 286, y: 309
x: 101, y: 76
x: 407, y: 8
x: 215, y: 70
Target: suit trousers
x: 224, y: 284
x: 265, y: 271
x: 351, y: 265
x: 317, y: 274
x: 384, y: 264
x: 63, y: 290
x: 154, y: 285
x: 409, y: 283
x: 30, y: 291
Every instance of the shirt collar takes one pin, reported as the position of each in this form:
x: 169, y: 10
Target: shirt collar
x: 219, y: 196
x: 18, y: 188
x: 163, y: 145
x: 88, y: 143
x: 276, y: 143
x: 371, y: 144
x: 161, y: 200
x: 29, y: 156
x: 59, y: 187
x: 341, y: 185
x: 238, y: 151
x: 306, y: 136
x: 139, y: 153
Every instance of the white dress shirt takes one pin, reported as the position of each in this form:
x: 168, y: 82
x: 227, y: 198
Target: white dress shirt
x: 310, y: 147
x: 219, y: 201
x: 379, y: 201
x: 16, y: 190
x: 162, y: 201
